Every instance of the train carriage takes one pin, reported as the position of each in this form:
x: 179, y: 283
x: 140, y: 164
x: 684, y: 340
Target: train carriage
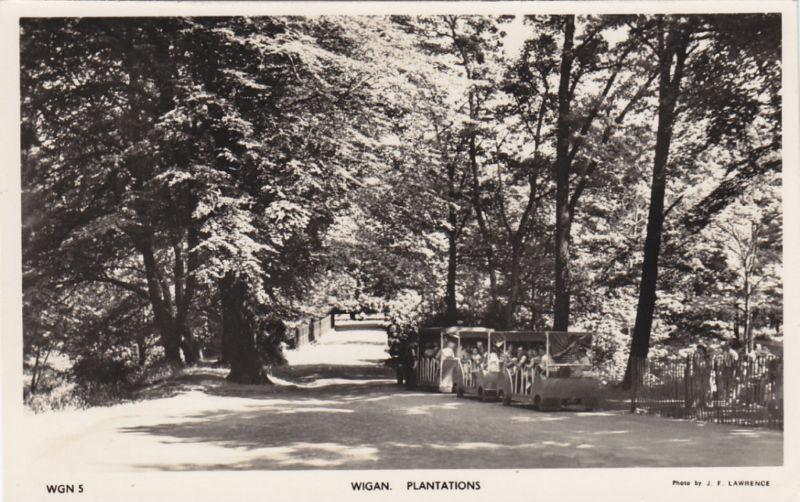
x: 433, y: 369
x: 562, y: 380
x: 471, y: 377
x: 427, y: 367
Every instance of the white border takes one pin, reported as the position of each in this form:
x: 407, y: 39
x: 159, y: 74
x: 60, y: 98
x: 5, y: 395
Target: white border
x: 502, y: 485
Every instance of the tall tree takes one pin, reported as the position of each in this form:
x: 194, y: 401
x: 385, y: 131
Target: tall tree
x: 689, y: 49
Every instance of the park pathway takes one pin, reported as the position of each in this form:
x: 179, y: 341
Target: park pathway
x: 337, y: 407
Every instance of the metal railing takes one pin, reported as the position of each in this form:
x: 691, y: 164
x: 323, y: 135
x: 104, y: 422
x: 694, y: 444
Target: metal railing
x: 745, y: 391
x: 521, y: 380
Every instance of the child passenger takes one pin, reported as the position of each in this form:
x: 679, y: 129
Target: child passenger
x: 476, y: 357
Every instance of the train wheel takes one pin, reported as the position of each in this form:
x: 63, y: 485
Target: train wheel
x: 537, y: 402
x: 504, y: 398
x: 481, y: 397
x: 459, y: 391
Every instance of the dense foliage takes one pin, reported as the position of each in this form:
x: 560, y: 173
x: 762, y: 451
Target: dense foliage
x: 192, y: 184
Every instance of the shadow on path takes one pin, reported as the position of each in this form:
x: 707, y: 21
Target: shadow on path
x: 353, y: 416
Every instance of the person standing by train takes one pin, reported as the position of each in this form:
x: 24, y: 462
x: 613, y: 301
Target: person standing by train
x: 449, y: 351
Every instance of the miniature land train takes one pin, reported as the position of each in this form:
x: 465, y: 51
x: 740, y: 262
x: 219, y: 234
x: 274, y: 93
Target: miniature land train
x: 550, y: 370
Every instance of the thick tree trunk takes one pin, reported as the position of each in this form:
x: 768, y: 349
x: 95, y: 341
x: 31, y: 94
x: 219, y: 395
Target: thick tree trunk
x: 488, y: 248
x: 668, y: 89
x: 189, y: 347
x: 237, y: 326
x: 184, y: 293
x: 169, y: 332
x: 224, y: 345
x: 452, y: 243
x: 561, y: 302
x: 452, y: 264
x: 514, y: 285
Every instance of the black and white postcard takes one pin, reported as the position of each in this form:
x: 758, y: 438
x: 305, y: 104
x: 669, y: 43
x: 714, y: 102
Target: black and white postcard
x: 311, y: 251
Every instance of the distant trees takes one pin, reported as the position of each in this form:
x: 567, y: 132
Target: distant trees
x: 190, y: 183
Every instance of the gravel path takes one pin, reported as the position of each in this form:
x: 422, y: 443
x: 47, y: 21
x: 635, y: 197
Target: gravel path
x: 336, y: 407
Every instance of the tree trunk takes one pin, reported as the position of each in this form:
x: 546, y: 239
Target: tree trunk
x: 489, y: 250
x: 237, y: 326
x: 141, y: 350
x: 35, y: 372
x: 452, y: 256
x: 561, y: 302
x: 189, y: 347
x: 184, y: 293
x: 514, y: 286
x: 165, y: 323
x: 668, y: 89
x: 452, y: 264
x: 748, y: 315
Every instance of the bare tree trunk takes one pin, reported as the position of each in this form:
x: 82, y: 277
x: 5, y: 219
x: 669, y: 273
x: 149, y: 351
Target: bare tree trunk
x: 562, y: 167
x: 672, y: 46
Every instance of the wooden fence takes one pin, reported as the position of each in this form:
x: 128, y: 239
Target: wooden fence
x: 312, y: 330
x: 744, y: 391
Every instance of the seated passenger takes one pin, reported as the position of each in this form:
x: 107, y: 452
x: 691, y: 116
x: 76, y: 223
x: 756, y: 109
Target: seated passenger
x: 584, y: 358
x: 531, y: 358
x: 513, y: 360
x: 493, y: 361
x: 430, y: 350
x: 522, y: 357
x: 585, y: 364
x: 449, y: 351
x: 507, y: 354
x: 547, y: 360
x: 476, y: 358
x: 481, y: 348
